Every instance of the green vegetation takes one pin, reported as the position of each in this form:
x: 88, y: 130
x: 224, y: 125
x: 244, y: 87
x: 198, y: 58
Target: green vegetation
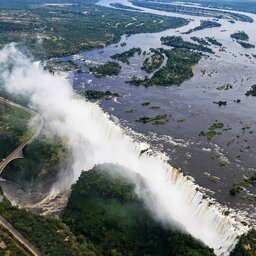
x: 213, y: 41
x: 145, y: 103
x: 195, y: 11
x: 178, y: 42
x: 104, y: 208
x: 181, y: 120
x: 246, y: 5
x: 252, y: 91
x: 154, y: 62
x: 52, y: 31
x: 246, y: 245
x: 108, y: 69
x: 8, y: 246
x: 95, y: 95
x: 213, y: 179
x: 246, y: 45
x: 42, y: 160
x: 225, y: 87
x: 240, y: 35
x: 239, y: 186
x: 216, y: 128
x: 13, y: 125
x: 125, y: 56
x: 201, y: 41
x: 154, y: 107
x: 50, y: 236
x: 158, y: 119
x: 235, y: 189
x: 178, y: 68
x: 220, y: 103
x: 54, y: 65
x: 204, y: 25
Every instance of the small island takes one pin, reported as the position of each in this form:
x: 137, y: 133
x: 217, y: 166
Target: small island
x: 125, y: 56
x: 110, y: 68
x: 204, y: 25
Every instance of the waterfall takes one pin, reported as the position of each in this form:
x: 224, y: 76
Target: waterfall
x: 94, y: 139
x: 176, y: 195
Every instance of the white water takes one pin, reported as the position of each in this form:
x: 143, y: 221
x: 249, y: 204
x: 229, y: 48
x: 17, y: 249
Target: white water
x: 94, y: 139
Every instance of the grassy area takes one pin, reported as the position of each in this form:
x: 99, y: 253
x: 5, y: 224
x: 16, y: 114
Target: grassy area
x: 104, y: 208
x: 51, y: 31
x: 13, y: 125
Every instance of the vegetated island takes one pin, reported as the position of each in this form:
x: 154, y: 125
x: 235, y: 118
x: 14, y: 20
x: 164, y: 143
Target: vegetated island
x: 96, y: 95
x: 154, y: 62
x: 252, y: 91
x: 55, y: 65
x: 246, y: 45
x: 157, y: 120
x: 178, y: 68
x: 199, y: 40
x: 217, y: 128
x: 110, y: 68
x: 178, y: 42
x: 213, y: 41
x: 204, y: 24
x: 242, y: 38
x: 125, y: 56
x: 192, y: 10
x: 240, y: 35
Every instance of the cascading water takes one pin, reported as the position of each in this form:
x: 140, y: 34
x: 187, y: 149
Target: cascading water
x: 94, y: 139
